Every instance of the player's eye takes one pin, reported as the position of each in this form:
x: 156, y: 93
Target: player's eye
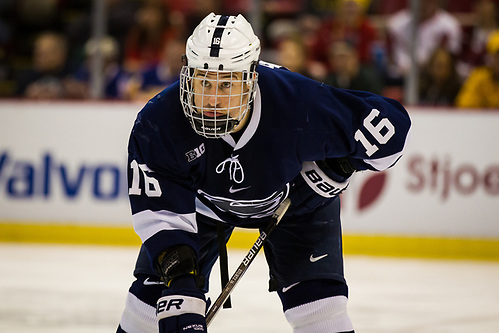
x: 225, y: 85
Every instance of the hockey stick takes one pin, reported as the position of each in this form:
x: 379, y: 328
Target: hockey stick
x: 248, y: 259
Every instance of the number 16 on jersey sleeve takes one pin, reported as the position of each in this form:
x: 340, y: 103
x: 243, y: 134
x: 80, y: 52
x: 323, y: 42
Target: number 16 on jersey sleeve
x: 382, y: 132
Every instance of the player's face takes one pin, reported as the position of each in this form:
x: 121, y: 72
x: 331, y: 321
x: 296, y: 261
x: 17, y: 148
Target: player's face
x: 219, y: 94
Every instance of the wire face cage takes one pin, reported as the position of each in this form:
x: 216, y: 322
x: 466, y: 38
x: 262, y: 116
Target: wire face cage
x: 215, y: 102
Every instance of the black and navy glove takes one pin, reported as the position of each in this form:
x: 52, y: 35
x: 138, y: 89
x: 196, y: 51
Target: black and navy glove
x: 182, y: 308
x: 182, y: 305
x: 327, y: 178
x: 318, y: 183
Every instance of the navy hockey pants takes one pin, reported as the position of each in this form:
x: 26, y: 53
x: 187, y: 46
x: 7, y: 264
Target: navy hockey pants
x: 301, y: 248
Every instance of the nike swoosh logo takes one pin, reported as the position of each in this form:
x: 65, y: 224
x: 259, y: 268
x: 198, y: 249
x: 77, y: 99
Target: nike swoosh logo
x: 314, y: 259
x: 289, y: 287
x: 147, y: 282
x: 234, y: 190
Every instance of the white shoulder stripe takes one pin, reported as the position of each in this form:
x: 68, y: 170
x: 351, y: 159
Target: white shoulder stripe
x: 202, y: 209
x: 384, y: 163
x: 147, y: 223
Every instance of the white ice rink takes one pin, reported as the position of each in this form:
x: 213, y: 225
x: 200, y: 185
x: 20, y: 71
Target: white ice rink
x: 81, y: 289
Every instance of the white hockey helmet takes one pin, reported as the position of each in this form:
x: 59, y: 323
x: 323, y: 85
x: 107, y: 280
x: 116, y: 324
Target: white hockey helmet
x: 218, y: 81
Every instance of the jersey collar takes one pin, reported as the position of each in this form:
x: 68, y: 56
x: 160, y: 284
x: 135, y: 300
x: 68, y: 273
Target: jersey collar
x: 250, y: 129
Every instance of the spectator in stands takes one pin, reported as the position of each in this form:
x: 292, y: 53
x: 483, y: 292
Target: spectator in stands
x: 439, y: 81
x: 149, y: 82
x: 186, y: 14
x: 288, y: 44
x: 435, y: 28
x: 282, y: 8
x: 349, y: 24
x: 292, y: 54
x: 6, y: 49
x: 45, y: 79
x: 475, y: 37
x: 481, y: 89
x: 33, y: 15
x: 146, y: 37
x: 386, y: 7
x: 115, y: 78
x: 329, y: 7
x: 349, y: 73
x: 119, y: 15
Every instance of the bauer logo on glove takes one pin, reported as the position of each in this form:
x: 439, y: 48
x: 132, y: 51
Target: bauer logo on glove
x: 168, y: 306
x: 320, y: 182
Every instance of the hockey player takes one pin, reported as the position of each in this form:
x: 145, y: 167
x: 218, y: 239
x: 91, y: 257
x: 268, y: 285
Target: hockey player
x: 222, y: 148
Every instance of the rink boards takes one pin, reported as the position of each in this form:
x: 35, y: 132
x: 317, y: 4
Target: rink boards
x: 63, y: 166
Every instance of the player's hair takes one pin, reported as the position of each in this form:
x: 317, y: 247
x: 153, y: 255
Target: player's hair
x: 227, y: 46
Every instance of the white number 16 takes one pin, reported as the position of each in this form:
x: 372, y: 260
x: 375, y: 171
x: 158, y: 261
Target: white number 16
x: 151, y: 184
x: 375, y: 131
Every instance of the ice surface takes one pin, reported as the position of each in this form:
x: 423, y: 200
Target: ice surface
x: 73, y: 289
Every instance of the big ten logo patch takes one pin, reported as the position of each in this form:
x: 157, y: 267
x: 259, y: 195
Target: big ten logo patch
x: 195, y: 153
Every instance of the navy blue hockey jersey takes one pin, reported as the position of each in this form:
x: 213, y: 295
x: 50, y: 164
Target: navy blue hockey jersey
x: 174, y: 173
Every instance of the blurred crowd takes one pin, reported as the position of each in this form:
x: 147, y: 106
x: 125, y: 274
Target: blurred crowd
x: 46, y: 46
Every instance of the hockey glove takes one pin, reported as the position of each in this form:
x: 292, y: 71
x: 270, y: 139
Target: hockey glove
x: 327, y: 178
x: 182, y: 308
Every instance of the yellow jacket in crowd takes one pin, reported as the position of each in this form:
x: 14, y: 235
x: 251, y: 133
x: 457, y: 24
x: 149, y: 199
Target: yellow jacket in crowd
x: 480, y: 90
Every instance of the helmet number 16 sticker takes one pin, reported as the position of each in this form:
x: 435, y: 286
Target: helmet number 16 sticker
x: 381, y: 132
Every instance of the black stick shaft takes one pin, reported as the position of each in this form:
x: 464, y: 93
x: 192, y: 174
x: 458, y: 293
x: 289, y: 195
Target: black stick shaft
x: 248, y: 259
